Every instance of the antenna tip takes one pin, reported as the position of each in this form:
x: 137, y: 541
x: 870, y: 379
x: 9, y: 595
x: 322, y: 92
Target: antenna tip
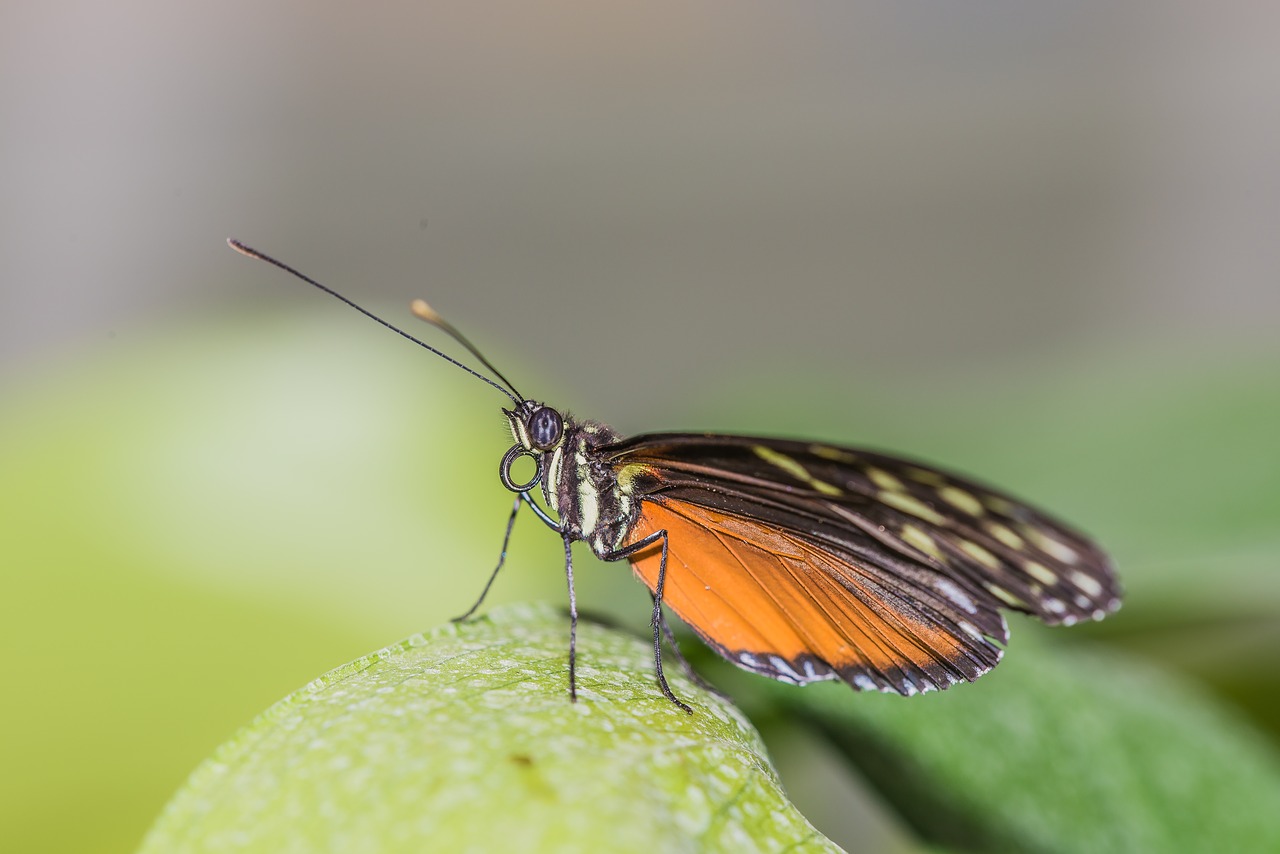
x: 420, y: 308
x: 241, y: 248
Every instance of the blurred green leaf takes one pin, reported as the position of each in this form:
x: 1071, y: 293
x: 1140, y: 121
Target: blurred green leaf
x: 465, y: 739
x: 1056, y: 750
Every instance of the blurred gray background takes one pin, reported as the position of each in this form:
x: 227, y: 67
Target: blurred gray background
x: 646, y: 199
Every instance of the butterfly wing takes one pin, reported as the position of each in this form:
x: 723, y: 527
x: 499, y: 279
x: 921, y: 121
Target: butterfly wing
x: 779, y: 605
x: 804, y: 561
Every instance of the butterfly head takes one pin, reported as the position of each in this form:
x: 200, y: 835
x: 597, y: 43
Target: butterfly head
x: 539, y: 432
x: 536, y: 427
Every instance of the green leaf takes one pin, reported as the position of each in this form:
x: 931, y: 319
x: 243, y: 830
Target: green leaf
x: 465, y: 739
x: 1058, y: 751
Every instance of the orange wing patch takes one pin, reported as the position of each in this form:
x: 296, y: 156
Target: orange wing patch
x: 772, y: 603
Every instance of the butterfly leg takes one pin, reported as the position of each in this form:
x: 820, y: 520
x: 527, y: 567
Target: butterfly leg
x: 573, y: 620
x: 658, y: 621
x: 539, y: 512
x: 685, y: 665
x: 506, y: 538
x: 502, y: 558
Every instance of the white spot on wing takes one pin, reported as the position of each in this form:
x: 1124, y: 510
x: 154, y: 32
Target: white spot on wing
x: 784, y: 666
x: 953, y: 592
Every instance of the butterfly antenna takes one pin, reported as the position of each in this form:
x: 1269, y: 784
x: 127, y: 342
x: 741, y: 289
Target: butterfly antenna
x: 513, y: 394
x: 430, y: 315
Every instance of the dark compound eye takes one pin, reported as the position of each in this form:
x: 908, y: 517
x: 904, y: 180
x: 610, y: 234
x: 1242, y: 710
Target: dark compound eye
x: 545, y: 428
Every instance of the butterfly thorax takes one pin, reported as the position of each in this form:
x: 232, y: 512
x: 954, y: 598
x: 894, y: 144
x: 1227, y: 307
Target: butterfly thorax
x: 583, y: 488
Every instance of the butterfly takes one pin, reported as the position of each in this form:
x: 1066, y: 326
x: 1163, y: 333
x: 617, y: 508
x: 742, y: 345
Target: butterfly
x: 800, y: 561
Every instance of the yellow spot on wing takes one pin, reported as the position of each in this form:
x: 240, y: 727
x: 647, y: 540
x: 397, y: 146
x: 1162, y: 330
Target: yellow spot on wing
x: 834, y: 454
x: 911, y: 505
x: 793, y: 468
x: 913, y: 536
x: 1004, y: 595
x: 824, y: 487
x: 1087, y: 583
x: 996, y: 504
x: 957, y: 497
x: 627, y: 475
x: 1047, y: 544
x: 1004, y: 535
x: 884, y: 480
x: 979, y: 554
x: 1041, y: 573
x: 928, y: 478
x: 782, y: 461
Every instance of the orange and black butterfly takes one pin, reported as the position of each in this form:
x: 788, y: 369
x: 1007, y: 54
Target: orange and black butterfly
x: 796, y: 560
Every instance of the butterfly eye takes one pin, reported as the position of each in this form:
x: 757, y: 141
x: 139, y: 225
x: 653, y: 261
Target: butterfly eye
x: 545, y: 428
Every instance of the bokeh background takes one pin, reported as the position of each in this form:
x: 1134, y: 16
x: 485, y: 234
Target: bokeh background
x: 1034, y: 241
